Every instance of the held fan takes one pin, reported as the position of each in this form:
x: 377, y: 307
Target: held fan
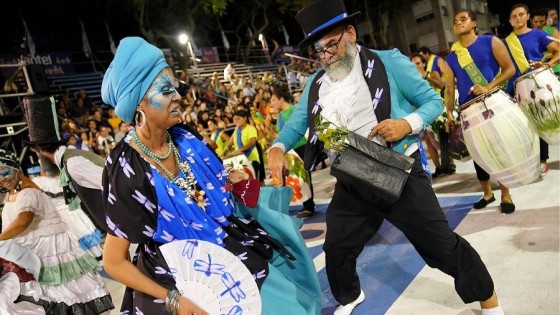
x: 212, y: 277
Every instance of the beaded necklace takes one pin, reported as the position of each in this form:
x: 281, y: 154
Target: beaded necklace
x: 148, y: 151
x: 185, y: 179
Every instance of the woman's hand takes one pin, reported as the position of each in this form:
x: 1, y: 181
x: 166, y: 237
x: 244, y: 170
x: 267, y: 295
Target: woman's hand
x: 236, y: 175
x: 189, y: 308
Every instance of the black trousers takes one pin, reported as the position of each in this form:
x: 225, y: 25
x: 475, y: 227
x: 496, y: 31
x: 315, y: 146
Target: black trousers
x: 481, y: 174
x: 354, y: 216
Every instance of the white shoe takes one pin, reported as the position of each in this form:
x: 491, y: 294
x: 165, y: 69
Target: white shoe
x: 348, y: 308
x: 493, y: 311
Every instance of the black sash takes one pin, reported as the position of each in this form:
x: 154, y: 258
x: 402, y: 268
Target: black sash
x: 378, y: 84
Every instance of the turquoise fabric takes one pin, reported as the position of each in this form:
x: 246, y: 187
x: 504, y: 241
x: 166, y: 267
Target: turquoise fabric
x: 135, y: 66
x: 287, y: 279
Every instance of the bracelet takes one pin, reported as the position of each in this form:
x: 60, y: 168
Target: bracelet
x: 172, y: 301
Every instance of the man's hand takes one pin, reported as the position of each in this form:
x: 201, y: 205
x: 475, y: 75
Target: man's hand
x: 478, y: 89
x: 277, y: 162
x: 392, y: 129
x: 450, y: 123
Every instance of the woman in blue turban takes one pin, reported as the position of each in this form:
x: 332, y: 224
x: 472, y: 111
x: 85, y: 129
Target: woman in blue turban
x: 162, y: 183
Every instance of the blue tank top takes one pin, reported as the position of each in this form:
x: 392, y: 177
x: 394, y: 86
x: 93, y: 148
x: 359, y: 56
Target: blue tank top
x: 534, y: 44
x: 481, y: 53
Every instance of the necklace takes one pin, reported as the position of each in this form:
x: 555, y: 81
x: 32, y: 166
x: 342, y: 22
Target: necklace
x: 185, y: 179
x: 148, y: 151
x: 187, y: 182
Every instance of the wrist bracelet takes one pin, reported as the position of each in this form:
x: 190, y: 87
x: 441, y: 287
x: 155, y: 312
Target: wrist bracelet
x: 172, y: 301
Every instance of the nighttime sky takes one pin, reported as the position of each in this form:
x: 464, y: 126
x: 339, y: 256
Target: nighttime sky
x: 55, y: 24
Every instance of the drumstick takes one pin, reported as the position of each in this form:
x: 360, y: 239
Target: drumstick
x: 554, y: 39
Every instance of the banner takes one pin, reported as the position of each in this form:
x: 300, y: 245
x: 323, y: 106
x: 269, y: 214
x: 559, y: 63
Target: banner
x: 286, y: 36
x: 30, y: 43
x: 224, y: 39
x: 111, y: 42
x: 85, y: 43
x: 54, y: 63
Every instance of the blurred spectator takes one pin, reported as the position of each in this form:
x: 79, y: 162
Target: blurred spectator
x: 113, y: 120
x: 105, y: 142
x: 229, y: 72
x: 82, y: 95
x: 100, y: 120
x: 123, y: 128
x: 248, y: 90
x: 78, y: 111
x: 72, y: 141
x: 70, y: 129
x: 86, y: 142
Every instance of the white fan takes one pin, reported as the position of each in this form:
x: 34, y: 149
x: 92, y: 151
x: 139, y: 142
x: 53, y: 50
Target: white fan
x: 212, y: 277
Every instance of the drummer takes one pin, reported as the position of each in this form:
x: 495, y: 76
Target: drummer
x: 526, y: 46
x: 476, y: 49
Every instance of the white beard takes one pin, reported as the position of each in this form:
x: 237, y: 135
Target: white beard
x: 339, y: 69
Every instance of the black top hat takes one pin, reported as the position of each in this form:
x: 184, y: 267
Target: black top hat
x: 42, y: 120
x: 320, y: 17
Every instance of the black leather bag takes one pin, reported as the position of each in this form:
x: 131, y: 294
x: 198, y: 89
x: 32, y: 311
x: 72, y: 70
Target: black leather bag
x: 367, y: 164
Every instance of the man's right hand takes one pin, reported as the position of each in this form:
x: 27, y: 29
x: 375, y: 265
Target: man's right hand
x: 450, y: 123
x: 277, y: 162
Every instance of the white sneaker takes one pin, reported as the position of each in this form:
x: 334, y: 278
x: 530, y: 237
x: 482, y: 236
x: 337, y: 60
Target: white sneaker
x: 348, y: 308
x: 493, y: 311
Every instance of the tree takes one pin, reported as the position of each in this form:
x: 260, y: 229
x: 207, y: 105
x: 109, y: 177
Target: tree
x: 159, y: 21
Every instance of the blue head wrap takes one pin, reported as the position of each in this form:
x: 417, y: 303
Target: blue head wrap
x: 135, y: 66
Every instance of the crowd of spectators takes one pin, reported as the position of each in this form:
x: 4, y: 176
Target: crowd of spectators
x: 208, y: 105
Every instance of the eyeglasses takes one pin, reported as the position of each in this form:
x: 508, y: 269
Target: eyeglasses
x: 331, y: 49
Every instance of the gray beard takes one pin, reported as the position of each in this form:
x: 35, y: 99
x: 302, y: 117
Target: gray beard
x: 342, y: 68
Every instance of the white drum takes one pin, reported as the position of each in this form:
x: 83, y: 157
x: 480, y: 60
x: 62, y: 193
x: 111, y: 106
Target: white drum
x: 500, y: 138
x: 240, y: 162
x: 538, y: 94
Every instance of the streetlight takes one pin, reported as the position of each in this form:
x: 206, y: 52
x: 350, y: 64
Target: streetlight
x: 184, y: 39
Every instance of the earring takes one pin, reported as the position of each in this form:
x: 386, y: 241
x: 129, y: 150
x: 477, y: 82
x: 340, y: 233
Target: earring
x: 140, y: 122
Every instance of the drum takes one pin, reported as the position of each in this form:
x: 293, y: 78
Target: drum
x: 241, y: 162
x: 500, y: 138
x: 538, y: 94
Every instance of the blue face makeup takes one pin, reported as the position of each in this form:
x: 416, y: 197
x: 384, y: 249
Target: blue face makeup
x: 162, y: 90
x: 6, y: 172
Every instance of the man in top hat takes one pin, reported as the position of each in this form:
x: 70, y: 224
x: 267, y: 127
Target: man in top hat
x: 83, y: 170
x: 380, y: 95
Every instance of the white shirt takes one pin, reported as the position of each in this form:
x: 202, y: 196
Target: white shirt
x: 83, y: 171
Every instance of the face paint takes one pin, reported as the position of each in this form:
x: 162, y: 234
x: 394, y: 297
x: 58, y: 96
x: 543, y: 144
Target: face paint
x: 162, y: 90
x: 6, y: 178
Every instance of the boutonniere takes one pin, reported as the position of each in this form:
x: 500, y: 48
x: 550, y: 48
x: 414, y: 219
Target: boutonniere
x: 332, y: 135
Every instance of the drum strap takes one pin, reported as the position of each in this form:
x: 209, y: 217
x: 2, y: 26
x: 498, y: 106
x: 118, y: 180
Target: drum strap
x: 517, y: 52
x: 467, y: 63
